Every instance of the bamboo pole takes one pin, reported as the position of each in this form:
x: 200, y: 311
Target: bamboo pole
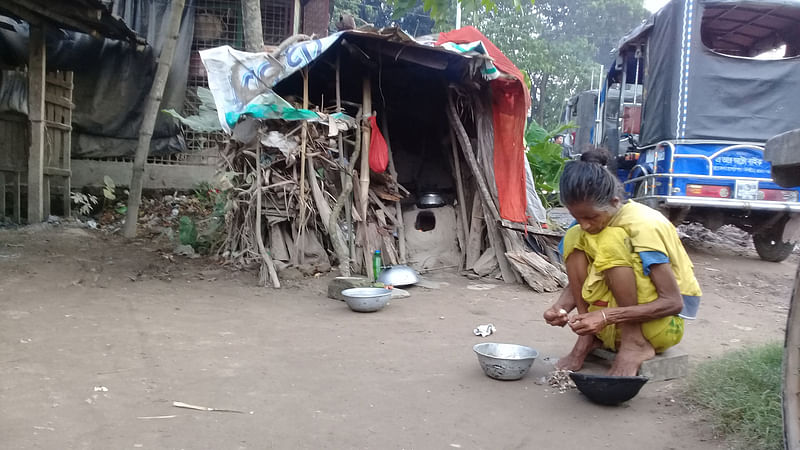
x: 18, y: 197
x: 348, y: 206
x: 323, y: 208
x: 365, y: 140
x: 273, y: 275
x: 298, y: 11
x: 475, y: 237
x: 171, y: 30
x: 299, y: 243
x: 401, y: 227
x: 36, y: 117
x: 460, y: 191
x: 466, y: 148
x: 68, y: 77
x: 251, y: 18
x: 347, y: 189
x: 3, y: 195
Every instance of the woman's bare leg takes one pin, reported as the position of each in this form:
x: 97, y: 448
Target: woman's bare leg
x: 577, y: 270
x: 634, y: 349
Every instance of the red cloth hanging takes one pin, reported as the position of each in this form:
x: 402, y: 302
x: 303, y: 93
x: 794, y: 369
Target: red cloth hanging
x: 378, y: 150
x: 509, y: 110
x: 510, y: 103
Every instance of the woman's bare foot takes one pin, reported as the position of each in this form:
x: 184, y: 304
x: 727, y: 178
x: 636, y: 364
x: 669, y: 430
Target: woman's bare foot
x: 630, y: 357
x: 574, y: 360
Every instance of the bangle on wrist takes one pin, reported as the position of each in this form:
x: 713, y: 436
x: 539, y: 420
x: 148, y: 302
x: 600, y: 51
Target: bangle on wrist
x: 605, y: 319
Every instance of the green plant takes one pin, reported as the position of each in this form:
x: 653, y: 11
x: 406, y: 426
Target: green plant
x: 84, y: 202
x: 741, y: 392
x: 206, y: 193
x: 544, y: 157
x: 187, y: 231
x: 109, y: 187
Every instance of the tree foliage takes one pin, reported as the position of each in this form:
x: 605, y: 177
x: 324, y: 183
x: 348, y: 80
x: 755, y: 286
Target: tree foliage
x: 601, y: 22
x: 382, y: 14
x: 545, y: 159
x: 443, y: 11
x: 558, y: 43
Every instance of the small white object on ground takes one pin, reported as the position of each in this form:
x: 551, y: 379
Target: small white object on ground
x: 203, y: 408
x: 484, y: 330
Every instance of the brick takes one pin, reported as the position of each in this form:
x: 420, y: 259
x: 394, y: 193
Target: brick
x: 669, y: 365
x: 338, y: 284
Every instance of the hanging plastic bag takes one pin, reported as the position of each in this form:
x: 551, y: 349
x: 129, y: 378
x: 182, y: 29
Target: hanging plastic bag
x: 378, y: 150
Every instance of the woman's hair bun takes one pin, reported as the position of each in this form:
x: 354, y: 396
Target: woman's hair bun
x: 596, y: 155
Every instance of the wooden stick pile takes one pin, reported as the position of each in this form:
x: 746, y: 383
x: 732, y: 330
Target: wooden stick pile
x: 506, y: 248
x: 299, y: 224
x: 264, y: 206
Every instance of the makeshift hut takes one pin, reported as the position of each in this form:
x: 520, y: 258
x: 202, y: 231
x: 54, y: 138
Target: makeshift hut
x: 428, y: 135
x: 36, y: 96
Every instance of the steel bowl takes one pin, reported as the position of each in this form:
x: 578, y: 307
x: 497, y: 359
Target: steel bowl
x: 606, y: 389
x: 505, y: 361
x: 399, y: 275
x: 366, y: 299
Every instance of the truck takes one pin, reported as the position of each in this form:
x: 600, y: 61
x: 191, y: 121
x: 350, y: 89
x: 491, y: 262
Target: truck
x: 686, y: 107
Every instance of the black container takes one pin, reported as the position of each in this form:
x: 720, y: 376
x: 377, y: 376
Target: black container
x: 606, y: 389
x: 430, y: 200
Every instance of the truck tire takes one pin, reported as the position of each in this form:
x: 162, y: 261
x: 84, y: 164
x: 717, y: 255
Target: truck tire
x: 770, y: 248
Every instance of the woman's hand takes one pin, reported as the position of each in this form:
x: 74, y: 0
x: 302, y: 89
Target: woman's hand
x: 556, y: 316
x: 589, y: 323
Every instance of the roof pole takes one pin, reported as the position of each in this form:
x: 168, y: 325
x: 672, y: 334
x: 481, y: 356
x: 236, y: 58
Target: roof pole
x: 296, y: 21
x: 253, y: 33
x: 36, y: 117
x: 638, y: 57
x: 621, y: 108
x: 597, y: 114
x: 170, y: 28
x: 458, y: 14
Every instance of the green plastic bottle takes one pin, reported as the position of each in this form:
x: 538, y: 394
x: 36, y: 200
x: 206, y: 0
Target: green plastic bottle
x: 376, y: 264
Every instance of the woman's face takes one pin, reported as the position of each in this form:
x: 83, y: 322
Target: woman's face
x: 591, y: 218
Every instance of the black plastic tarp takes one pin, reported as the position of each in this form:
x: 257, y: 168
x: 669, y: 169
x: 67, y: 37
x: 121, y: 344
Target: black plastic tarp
x: 112, y: 78
x: 692, y: 92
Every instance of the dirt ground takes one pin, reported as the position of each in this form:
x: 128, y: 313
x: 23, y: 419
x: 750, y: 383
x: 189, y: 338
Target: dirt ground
x: 98, y: 337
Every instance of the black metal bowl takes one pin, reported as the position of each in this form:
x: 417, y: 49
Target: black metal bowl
x: 606, y: 389
x: 430, y: 200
